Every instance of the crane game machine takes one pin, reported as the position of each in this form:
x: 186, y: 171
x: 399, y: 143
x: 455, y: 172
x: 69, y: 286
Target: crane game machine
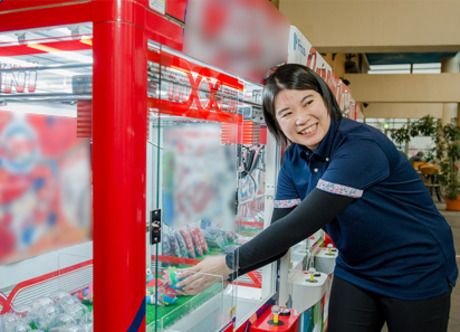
x: 45, y: 179
x: 66, y: 159
x: 207, y: 161
x: 211, y: 165
x: 103, y: 117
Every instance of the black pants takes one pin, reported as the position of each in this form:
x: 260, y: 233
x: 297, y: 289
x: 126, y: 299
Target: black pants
x: 352, y: 309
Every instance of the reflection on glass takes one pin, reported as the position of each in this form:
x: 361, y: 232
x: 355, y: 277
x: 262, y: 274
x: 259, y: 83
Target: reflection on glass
x: 251, y: 189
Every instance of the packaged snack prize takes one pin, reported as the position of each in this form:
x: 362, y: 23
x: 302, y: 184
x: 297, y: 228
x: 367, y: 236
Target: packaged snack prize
x: 181, y: 244
x: 204, y: 244
x: 196, y: 241
x: 188, y: 242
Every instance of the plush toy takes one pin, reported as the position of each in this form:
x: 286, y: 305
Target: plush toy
x: 166, y: 294
x: 171, y: 277
x: 86, y: 295
x: 149, y: 275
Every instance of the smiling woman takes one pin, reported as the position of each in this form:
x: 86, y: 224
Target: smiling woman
x: 302, y: 116
x: 298, y: 93
x: 396, y: 259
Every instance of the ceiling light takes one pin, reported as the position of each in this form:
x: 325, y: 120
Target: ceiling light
x: 69, y: 55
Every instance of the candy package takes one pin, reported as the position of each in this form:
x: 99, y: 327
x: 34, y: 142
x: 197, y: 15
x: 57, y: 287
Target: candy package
x: 204, y: 244
x: 181, y: 244
x: 194, y: 232
x: 214, y: 237
x: 188, y: 242
x: 166, y: 245
x: 170, y: 244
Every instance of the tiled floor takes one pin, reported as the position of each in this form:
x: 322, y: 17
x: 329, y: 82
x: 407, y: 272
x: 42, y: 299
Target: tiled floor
x: 454, y: 220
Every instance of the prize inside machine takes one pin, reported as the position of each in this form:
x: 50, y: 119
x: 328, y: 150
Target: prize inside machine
x: 45, y: 179
x: 206, y: 179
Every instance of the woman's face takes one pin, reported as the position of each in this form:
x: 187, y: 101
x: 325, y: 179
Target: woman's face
x: 302, y: 116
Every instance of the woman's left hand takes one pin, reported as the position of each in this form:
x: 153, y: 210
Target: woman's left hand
x: 201, y: 276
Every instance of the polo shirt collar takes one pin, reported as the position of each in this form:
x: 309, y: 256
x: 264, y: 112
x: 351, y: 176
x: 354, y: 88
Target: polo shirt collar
x: 325, y: 147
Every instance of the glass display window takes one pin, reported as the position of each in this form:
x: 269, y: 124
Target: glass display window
x: 45, y: 176
x: 206, y: 189
x: 97, y: 122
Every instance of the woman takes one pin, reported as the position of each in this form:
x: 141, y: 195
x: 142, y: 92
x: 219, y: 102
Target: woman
x: 396, y: 260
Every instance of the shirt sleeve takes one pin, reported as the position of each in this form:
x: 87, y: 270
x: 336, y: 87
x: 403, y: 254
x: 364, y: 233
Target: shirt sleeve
x: 230, y: 257
x: 354, y: 167
x: 286, y: 192
x: 317, y: 210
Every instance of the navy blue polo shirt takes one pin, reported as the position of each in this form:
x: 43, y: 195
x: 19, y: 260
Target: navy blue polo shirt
x: 391, y: 239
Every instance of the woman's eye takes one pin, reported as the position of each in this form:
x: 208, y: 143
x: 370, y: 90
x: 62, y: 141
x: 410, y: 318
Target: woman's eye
x: 308, y: 103
x: 285, y: 114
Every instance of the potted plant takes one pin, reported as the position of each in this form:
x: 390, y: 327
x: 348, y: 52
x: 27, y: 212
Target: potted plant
x: 449, y: 156
x: 446, y: 152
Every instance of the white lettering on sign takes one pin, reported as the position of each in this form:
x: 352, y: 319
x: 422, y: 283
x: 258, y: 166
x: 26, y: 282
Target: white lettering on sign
x: 17, y: 81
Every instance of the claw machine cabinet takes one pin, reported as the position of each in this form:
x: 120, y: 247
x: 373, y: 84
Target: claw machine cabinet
x: 76, y: 121
x: 73, y: 140
x: 259, y: 159
x: 244, y: 38
x: 210, y: 164
x: 206, y: 189
x: 46, y: 262
x: 191, y: 186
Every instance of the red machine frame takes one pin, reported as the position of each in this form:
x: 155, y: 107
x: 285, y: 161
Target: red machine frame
x: 121, y: 29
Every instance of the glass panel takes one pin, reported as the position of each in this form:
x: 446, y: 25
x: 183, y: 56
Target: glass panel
x: 252, y: 166
x: 258, y: 159
x: 45, y: 174
x: 193, y: 179
x: 211, y: 170
x: 201, y: 312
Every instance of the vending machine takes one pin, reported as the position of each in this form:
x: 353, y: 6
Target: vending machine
x: 125, y: 154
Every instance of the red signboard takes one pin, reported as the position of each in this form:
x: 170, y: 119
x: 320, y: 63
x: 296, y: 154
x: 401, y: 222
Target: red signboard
x: 192, y: 90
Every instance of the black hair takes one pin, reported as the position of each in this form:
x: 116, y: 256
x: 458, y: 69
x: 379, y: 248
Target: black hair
x: 294, y: 77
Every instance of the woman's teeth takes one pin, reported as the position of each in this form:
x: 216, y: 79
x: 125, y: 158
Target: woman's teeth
x: 308, y: 130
